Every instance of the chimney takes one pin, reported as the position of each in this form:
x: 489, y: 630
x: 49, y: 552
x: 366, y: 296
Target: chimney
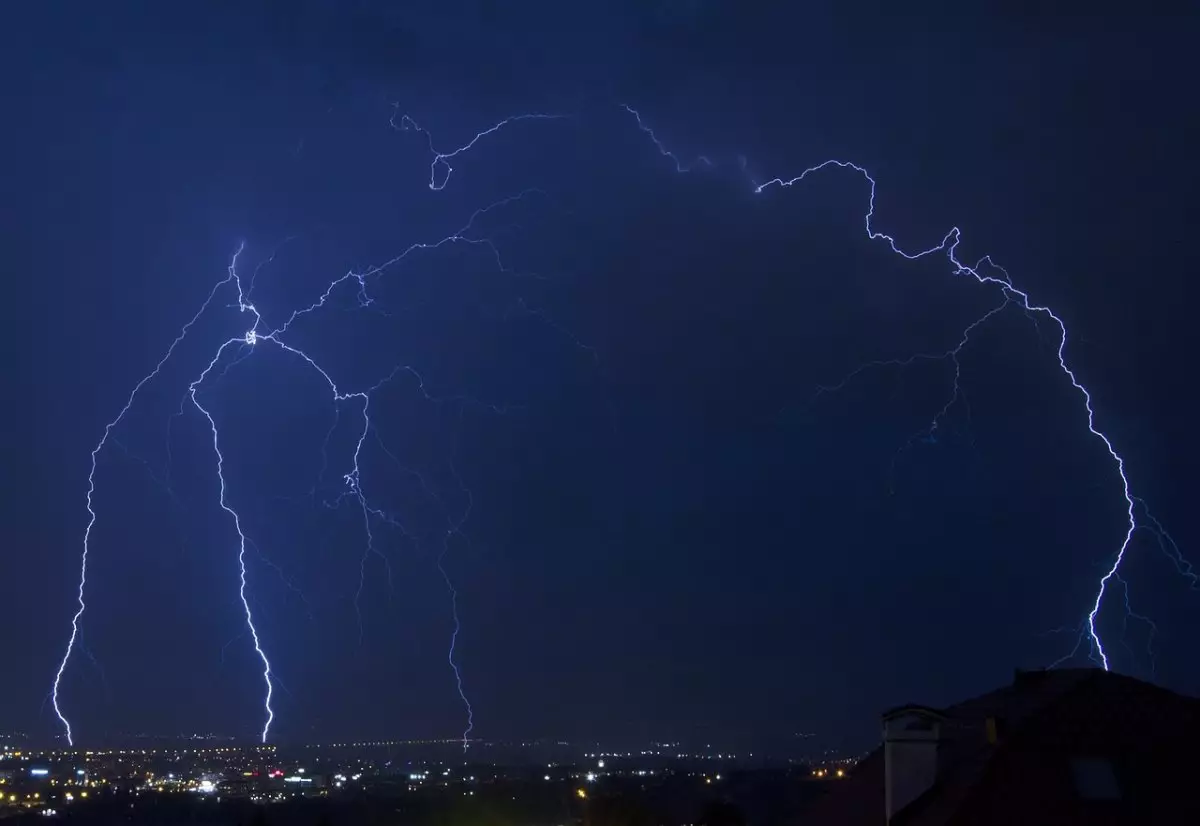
x: 910, y: 751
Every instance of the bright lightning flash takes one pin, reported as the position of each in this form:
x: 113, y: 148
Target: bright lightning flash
x: 87, y: 533
x: 253, y: 338
x: 985, y: 272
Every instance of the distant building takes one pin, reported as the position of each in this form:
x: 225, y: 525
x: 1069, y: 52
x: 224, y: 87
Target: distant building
x: 1069, y: 746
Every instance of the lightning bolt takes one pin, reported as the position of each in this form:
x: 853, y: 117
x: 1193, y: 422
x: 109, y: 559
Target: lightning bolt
x: 1131, y: 614
x: 91, y: 490
x: 985, y: 272
x: 441, y: 160
x: 928, y: 434
x: 353, y: 477
x: 948, y: 247
x: 250, y: 338
x: 680, y: 166
x: 1167, y: 545
x: 456, y: 529
x: 246, y: 345
x: 993, y: 276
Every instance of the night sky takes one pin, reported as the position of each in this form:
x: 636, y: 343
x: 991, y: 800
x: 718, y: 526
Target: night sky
x: 669, y: 533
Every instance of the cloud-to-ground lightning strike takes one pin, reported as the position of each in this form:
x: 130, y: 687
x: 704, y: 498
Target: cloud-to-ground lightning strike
x: 237, y: 524
x: 247, y: 343
x: 996, y: 276
x: 455, y: 529
x: 949, y: 246
x: 450, y: 658
x: 87, y: 533
x: 984, y: 271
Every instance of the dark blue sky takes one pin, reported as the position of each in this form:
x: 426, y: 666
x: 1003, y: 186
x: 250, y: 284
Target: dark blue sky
x: 667, y: 536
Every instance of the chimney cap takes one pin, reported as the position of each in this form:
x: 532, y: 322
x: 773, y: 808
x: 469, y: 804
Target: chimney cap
x: 913, y: 708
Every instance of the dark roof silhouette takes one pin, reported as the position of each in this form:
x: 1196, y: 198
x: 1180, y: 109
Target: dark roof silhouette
x: 1073, y: 746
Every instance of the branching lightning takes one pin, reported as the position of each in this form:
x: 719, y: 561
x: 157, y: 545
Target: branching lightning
x: 455, y: 530
x: 949, y: 246
x: 260, y: 334
x: 680, y: 166
x: 237, y: 524
x: 927, y: 434
x: 1152, y: 627
x: 441, y: 160
x: 1167, y: 545
x: 994, y: 276
x: 87, y: 533
x: 245, y: 345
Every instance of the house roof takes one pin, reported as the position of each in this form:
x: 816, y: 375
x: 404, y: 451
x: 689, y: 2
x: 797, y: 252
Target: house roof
x: 1045, y: 720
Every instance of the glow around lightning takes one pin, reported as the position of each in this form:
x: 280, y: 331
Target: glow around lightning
x: 984, y: 271
x: 253, y: 338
